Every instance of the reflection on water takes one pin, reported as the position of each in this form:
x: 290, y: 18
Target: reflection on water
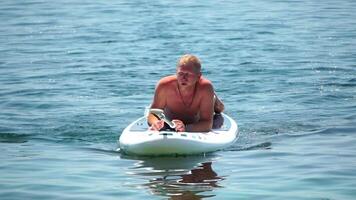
x: 189, y: 177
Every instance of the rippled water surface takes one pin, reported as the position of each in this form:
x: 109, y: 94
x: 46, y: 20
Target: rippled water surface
x: 74, y: 74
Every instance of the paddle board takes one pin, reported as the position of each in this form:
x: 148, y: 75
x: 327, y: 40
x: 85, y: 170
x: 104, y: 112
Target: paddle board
x: 137, y: 139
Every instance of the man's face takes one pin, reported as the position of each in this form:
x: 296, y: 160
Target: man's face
x: 186, y: 75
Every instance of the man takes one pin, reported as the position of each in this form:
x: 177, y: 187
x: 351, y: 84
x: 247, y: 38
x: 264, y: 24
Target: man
x: 187, y: 98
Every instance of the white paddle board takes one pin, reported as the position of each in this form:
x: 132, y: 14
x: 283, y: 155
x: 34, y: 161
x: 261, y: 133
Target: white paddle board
x: 137, y: 139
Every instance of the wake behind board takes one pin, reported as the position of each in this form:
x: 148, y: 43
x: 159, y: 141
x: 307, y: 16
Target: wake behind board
x: 137, y: 139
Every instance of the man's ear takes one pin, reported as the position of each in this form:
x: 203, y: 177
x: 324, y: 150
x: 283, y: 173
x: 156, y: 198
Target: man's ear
x: 199, y: 75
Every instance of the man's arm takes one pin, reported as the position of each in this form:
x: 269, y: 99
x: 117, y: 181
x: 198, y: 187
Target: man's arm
x: 218, y: 104
x: 159, y: 101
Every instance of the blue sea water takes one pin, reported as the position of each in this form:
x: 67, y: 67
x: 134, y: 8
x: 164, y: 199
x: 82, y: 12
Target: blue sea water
x: 74, y: 74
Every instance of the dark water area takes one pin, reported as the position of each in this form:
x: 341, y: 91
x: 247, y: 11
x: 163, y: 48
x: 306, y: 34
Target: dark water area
x: 74, y: 74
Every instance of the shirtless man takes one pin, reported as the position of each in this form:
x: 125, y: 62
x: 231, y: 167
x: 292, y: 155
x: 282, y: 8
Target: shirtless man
x: 187, y: 98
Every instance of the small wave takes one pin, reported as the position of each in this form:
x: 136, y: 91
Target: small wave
x: 247, y: 63
x: 332, y: 69
x: 325, y: 131
x: 102, y: 151
x: 334, y: 130
x: 264, y: 145
x: 353, y: 80
x: 348, y: 84
x: 265, y: 33
x: 13, y: 138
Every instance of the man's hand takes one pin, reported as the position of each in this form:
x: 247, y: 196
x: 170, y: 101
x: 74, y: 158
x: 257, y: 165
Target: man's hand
x: 180, y: 127
x: 157, y: 125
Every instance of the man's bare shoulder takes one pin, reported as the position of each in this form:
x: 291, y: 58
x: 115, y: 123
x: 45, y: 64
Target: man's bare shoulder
x: 205, y: 83
x: 167, y: 81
